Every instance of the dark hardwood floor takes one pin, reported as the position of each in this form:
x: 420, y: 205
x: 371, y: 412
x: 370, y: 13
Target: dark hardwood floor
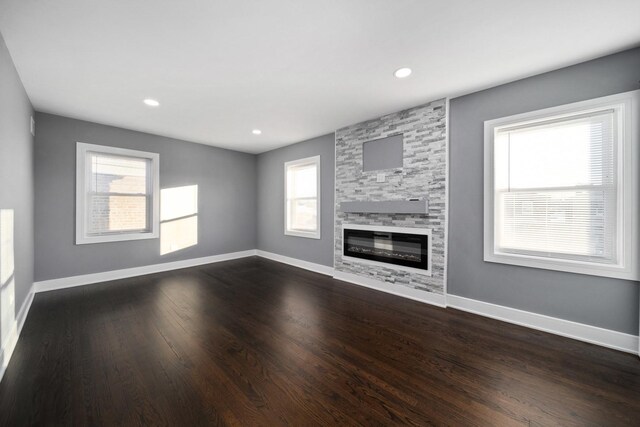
x: 254, y: 342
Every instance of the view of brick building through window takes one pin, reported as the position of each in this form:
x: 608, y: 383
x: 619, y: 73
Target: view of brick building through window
x: 119, y: 197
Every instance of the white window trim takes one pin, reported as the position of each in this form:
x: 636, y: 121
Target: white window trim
x: 628, y: 162
x: 287, y: 165
x: 82, y: 188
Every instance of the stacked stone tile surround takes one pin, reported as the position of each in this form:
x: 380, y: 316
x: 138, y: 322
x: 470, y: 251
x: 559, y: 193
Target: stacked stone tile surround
x: 424, y: 175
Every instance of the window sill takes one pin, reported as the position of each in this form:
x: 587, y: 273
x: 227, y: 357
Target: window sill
x: 311, y: 235
x: 569, y: 266
x: 85, y: 240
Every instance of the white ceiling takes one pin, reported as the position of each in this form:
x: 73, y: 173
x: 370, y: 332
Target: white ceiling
x: 293, y: 68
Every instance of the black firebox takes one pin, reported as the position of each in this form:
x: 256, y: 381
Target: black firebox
x: 408, y: 250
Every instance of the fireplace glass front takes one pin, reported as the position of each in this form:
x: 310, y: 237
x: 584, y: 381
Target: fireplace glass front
x: 408, y: 250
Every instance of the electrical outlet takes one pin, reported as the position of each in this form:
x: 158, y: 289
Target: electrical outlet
x: 381, y: 177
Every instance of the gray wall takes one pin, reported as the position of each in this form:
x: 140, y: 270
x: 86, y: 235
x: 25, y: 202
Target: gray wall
x: 598, y: 301
x: 16, y: 172
x: 226, y: 198
x: 270, y: 177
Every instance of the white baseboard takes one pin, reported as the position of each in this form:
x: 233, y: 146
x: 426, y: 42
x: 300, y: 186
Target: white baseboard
x: 68, y: 282
x: 422, y: 296
x: 311, y: 266
x: 414, y: 294
x: 591, y: 334
x: 9, y: 344
x: 579, y: 331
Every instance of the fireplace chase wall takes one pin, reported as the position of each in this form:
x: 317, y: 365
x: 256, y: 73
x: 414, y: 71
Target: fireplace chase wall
x: 423, y: 175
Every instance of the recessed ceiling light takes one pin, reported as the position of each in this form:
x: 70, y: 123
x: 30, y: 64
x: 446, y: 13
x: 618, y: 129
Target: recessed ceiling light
x: 151, y: 102
x: 401, y: 73
x: 256, y: 131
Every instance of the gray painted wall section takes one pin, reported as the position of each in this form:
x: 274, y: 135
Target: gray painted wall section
x: 16, y: 176
x: 226, y: 198
x: 383, y: 153
x: 597, y: 301
x: 270, y: 176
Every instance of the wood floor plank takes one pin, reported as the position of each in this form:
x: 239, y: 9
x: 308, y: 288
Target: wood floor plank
x: 255, y: 342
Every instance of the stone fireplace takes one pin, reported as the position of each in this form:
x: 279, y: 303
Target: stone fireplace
x: 383, y: 258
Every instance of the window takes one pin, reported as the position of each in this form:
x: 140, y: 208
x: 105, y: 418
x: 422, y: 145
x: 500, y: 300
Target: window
x: 561, y: 188
x: 302, y: 201
x: 116, y: 194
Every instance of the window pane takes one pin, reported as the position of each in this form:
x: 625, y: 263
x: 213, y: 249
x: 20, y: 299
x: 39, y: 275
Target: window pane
x: 302, y: 196
x: 561, y: 153
x: 555, y: 188
x: 556, y: 223
x: 109, y: 214
x: 118, y: 174
x: 303, y: 215
x: 302, y: 181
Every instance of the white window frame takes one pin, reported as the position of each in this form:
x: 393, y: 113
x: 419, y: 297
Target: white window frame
x: 83, y: 178
x: 628, y: 107
x: 315, y: 160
